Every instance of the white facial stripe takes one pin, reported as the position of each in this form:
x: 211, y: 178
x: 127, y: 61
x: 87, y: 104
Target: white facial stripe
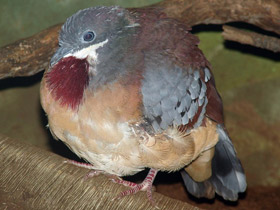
x: 133, y: 25
x: 89, y: 51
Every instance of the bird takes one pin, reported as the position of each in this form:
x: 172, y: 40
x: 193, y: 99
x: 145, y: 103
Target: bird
x: 129, y: 89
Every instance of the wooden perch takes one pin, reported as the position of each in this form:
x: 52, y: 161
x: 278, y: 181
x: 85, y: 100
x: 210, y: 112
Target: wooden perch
x: 251, y: 38
x: 32, y: 178
x: 29, y: 56
x: 264, y: 14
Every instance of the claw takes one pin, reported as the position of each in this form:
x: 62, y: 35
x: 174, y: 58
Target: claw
x: 146, y: 185
x: 92, y: 173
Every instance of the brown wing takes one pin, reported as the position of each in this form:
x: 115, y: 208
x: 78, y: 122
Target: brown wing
x: 214, y: 109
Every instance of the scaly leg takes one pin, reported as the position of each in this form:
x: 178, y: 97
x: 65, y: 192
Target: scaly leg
x: 79, y: 164
x: 91, y: 173
x: 146, y: 185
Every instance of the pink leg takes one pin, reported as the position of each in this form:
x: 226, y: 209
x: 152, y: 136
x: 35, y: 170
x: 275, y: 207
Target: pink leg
x: 146, y: 185
x: 79, y: 164
x: 92, y: 171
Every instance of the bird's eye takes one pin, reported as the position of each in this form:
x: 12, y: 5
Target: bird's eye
x: 89, y: 36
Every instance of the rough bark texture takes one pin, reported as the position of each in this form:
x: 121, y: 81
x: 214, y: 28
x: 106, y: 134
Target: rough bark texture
x: 262, y: 13
x: 29, y: 56
x: 32, y: 178
x: 251, y: 38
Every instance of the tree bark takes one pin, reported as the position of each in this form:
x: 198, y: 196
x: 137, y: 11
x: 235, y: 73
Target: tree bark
x: 262, y: 13
x: 29, y: 56
x: 251, y: 38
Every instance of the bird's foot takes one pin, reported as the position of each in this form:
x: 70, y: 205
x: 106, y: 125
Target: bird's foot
x: 146, y: 185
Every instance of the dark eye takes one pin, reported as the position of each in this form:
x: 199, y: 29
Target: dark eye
x: 89, y: 36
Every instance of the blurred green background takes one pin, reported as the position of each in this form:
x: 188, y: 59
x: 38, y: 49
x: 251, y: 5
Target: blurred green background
x: 22, y: 18
x: 247, y: 78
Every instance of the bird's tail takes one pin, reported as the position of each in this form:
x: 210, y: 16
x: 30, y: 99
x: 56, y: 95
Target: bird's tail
x: 227, y: 179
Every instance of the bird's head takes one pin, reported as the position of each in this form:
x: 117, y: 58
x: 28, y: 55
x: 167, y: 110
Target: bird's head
x: 90, y: 42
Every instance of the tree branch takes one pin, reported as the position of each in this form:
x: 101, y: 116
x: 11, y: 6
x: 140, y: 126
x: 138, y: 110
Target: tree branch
x: 29, y: 56
x: 32, y: 178
x: 251, y: 38
x: 262, y: 13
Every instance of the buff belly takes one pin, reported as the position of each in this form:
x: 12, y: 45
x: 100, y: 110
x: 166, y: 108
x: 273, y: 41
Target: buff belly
x: 104, y: 133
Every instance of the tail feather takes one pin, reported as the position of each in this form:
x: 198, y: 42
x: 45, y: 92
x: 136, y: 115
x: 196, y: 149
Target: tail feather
x: 228, y: 178
x: 198, y: 189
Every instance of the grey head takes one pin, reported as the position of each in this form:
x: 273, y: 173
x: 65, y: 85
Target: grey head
x: 94, y: 26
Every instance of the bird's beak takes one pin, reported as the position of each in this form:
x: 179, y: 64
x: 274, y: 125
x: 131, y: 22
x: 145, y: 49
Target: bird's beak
x: 59, y: 54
